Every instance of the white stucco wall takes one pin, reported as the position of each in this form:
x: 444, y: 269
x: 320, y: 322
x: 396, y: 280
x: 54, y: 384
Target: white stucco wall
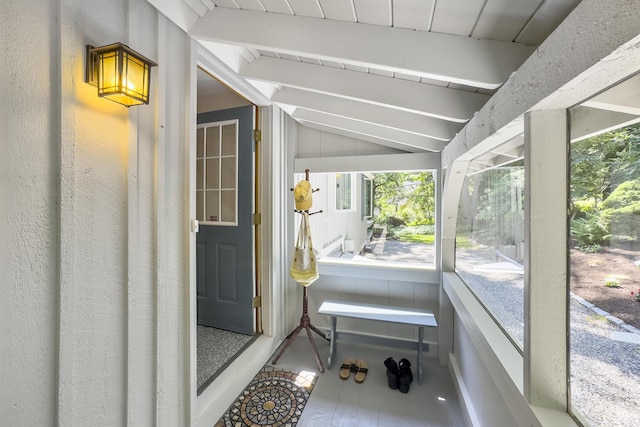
x: 93, y: 209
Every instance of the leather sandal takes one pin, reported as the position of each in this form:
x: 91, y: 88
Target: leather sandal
x: 361, y: 369
x: 392, y: 373
x: 405, y: 376
x: 346, y: 368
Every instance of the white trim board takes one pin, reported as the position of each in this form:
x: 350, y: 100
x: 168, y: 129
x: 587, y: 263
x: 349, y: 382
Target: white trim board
x: 370, y: 163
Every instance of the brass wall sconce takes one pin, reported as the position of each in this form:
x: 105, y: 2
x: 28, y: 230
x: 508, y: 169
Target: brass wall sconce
x: 121, y: 74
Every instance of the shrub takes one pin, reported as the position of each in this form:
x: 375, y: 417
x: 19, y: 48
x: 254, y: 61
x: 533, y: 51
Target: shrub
x: 589, y: 249
x: 611, y: 282
x: 580, y: 208
x: 622, y: 210
x: 589, y: 231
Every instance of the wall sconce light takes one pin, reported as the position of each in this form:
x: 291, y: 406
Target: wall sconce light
x: 121, y: 74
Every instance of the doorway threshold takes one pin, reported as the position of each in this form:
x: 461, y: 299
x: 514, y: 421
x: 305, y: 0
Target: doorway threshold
x: 217, y: 349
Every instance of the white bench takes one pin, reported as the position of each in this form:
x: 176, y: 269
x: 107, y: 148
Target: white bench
x: 403, y: 315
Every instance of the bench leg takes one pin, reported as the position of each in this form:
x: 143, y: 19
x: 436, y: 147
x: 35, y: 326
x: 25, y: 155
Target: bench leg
x: 332, y: 346
x: 419, y: 364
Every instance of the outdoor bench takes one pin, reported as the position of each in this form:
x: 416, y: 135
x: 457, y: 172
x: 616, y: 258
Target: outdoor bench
x: 403, y: 315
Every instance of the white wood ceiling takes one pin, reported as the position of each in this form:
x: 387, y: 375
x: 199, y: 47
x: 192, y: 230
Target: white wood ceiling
x: 407, y: 74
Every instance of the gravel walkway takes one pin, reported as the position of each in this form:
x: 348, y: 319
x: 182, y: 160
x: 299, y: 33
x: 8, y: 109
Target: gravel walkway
x: 605, y: 380
x: 605, y: 372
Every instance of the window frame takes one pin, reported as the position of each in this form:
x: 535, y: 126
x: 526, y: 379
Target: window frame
x: 367, y: 211
x: 219, y: 157
x: 340, y: 193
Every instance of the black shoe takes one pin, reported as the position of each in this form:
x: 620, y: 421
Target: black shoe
x: 392, y: 373
x: 405, y: 377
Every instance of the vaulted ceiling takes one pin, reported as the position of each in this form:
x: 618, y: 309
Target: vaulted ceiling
x: 406, y: 74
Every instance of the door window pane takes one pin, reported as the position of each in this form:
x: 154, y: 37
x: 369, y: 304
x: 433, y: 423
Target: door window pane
x: 213, y: 174
x: 213, y: 206
x: 216, y: 170
x: 200, y: 205
x: 200, y: 174
x: 200, y: 143
x: 228, y: 173
x: 229, y: 140
x: 228, y: 205
x: 213, y: 141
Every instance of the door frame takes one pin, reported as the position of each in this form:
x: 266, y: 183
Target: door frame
x: 272, y: 173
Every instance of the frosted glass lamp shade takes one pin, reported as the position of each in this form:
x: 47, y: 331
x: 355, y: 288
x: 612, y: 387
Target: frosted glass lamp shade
x: 121, y: 74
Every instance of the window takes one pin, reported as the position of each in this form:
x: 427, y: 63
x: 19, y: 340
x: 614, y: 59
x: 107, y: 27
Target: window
x: 604, y: 264
x: 490, y: 244
x: 367, y: 197
x: 216, y: 177
x: 391, y: 217
x: 343, y: 191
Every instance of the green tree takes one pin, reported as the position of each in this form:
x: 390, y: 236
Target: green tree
x: 404, y: 198
x: 601, y: 163
x: 500, y: 205
x: 388, y: 192
x: 621, y: 210
x: 605, y: 187
x: 421, y: 199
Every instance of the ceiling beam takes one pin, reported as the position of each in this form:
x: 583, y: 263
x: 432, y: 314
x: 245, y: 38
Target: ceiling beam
x: 356, y: 110
x: 360, y: 137
x: 435, y: 101
x: 371, y: 129
x: 476, y: 62
x: 369, y: 163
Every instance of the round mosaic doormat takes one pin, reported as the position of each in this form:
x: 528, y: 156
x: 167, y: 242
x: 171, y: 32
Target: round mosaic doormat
x: 274, y: 397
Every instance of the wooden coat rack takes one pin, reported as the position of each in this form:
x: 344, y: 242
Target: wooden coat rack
x: 305, y: 321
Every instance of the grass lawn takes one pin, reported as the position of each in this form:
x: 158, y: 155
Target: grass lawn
x: 428, y: 239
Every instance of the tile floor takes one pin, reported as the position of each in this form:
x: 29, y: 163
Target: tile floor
x: 335, y: 402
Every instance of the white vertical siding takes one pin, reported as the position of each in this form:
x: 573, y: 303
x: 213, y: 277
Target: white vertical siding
x: 29, y: 217
x: 95, y: 195
x: 331, y: 227
x: 371, y: 290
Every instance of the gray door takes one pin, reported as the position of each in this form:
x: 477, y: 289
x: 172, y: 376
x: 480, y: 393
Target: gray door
x: 224, y: 200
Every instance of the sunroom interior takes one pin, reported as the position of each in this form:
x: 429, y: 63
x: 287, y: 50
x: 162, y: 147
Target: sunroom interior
x: 345, y: 123
x: 465, y: 89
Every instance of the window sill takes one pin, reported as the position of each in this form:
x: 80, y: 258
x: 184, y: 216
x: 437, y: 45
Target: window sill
x: 490, y: 341
x: 501, y: 358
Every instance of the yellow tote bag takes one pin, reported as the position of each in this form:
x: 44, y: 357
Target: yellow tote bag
x: 304, y: 266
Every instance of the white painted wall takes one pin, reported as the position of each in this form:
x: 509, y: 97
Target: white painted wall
x: 93, y: 213
x: 484, y: 399
x: 399, y: 291
x: 220, y: 101
x: 316, y: 143
x: 331, y: 227
x: 29, y: 260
